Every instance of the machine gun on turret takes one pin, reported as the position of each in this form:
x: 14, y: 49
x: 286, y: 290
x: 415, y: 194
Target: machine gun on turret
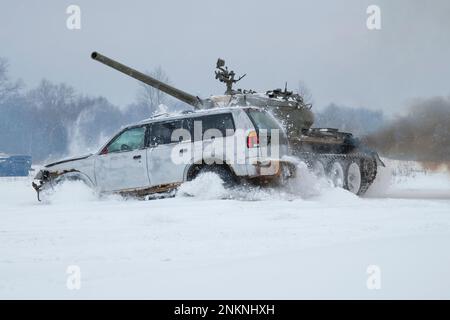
x: 226, y: 76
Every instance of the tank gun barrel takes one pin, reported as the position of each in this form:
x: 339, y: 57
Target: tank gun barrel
x: 194, y: 101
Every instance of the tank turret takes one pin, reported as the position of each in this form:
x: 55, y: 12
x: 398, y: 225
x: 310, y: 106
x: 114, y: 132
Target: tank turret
x: 287, y: 106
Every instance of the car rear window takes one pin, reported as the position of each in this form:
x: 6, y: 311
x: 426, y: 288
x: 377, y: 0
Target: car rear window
x: 264, y: 121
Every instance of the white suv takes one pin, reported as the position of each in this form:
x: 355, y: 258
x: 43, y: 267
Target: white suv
x: 158, y: 154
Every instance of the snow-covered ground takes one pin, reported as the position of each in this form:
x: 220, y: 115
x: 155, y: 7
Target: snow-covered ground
x: 306, y: 241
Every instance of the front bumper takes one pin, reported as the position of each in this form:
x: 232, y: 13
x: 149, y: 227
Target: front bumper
x: 40, y: 181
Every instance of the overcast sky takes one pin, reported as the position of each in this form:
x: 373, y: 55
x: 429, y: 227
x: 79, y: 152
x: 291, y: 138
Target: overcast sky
x: 324, y: 43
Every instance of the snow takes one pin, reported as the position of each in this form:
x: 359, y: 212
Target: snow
x: 306, y: 240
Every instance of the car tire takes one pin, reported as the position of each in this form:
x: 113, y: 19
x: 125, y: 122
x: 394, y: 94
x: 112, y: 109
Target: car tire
x: 228, y: 177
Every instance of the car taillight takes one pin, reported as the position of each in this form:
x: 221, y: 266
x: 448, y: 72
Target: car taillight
x: 252, y: 140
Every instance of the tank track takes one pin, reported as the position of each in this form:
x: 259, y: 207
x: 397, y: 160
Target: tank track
x: 366, y: 162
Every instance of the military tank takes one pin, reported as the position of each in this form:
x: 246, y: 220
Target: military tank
x: 327, y: 151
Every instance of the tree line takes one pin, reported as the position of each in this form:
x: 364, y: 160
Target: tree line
x: 53, y: 120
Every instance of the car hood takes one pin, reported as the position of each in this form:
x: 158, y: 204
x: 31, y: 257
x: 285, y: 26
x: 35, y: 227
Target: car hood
x: 68, y: 160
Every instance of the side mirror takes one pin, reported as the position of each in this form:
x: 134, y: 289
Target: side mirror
x: 104, y: 151
x: 125, y: 147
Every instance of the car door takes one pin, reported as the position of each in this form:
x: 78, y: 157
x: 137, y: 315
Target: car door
x: 122, y: 164
x: 167, y: 155
x: 217, y: 132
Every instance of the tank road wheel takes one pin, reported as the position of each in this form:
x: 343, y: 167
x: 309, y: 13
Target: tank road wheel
x: 353, y: 178
x: 336, y: 174
x: 318, y: 169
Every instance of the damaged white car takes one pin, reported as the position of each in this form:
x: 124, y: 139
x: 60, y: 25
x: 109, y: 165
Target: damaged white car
x: 158, y: 154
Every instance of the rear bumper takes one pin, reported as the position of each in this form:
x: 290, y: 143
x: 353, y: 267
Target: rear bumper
x: 273, y: 168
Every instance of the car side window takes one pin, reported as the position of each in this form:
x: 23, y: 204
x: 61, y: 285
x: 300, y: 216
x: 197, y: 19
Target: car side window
x: 161, y: 132
x: 222, y: 122
x: 128, y: 140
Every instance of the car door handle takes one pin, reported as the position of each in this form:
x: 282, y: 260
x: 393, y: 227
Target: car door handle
x: 137, y: 157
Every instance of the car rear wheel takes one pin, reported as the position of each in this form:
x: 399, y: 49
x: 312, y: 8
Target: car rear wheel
x: 228, y: 178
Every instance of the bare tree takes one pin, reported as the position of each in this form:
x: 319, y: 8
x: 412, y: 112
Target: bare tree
x: 423, y: 134
x: 304, y: 91
x: 7, y: 86
x: 57, y: 100
x: 150, y: 97
x: 54, y: 110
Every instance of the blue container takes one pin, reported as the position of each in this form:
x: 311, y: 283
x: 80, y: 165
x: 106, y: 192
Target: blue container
x: 14, y: 166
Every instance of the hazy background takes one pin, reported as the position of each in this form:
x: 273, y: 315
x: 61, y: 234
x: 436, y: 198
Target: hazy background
x: 323, y: 42
x: 359, y: 80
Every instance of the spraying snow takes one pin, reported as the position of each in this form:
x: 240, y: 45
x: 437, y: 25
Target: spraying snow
x: 306, y: 240
x: 207, y: 185
x: 71, y: 193
x: 305, y: 185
